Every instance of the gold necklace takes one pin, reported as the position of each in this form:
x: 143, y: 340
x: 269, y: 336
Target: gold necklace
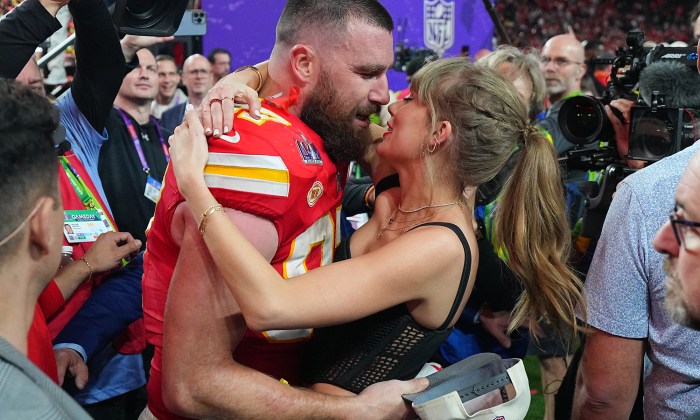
x: 418, y: 221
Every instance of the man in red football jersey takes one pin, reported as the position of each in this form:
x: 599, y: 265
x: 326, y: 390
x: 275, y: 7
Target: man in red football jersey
x: 282, y: 185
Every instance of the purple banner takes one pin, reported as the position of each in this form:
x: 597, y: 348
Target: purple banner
x: 247, y: 28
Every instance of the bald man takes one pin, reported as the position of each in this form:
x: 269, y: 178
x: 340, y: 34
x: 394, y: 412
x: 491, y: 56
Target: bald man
x: 198, y: 79
x: 562, y: 63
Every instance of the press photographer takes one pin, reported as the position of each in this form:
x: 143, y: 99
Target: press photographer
x: 632, y: 340
x: 631, y: 130
x: 666, y: 79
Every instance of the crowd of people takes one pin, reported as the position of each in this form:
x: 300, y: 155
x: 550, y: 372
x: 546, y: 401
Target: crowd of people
x: 203, y: 251
x: 530, y: 23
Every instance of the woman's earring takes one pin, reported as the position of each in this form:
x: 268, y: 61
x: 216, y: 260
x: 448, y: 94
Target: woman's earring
x: 433, y: 147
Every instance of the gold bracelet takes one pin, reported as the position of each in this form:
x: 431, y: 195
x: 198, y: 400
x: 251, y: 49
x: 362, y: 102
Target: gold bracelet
x: 203, y: 218
x: 88, y: 266
x: 255, y: 69
x: 367, y: 195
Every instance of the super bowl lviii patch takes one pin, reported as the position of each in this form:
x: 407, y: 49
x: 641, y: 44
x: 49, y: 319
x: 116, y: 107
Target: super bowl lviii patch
x: 308, y: 151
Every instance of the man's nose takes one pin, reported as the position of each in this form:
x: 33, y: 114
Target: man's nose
x: 665, y: 241
x: 380, y: 91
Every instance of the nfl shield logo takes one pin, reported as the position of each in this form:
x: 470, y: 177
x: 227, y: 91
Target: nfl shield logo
x: 438, y: 24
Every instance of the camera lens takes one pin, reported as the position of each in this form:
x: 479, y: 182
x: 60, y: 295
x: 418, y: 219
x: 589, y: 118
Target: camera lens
x: 143, y: 8
x: 652, y: 133
x: 582, y: 120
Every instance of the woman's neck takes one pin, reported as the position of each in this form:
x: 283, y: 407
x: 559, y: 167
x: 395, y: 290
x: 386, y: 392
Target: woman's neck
x: 416, y: 193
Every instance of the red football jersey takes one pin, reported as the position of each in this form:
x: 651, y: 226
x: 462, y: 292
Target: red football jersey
x: 275, y: 168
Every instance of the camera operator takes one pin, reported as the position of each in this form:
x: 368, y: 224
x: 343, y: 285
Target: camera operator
x: 562, y: 63
x: 625, y: 288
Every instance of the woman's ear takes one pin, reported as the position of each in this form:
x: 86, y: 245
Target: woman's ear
x: 443, y: 131
x: 305, y: 64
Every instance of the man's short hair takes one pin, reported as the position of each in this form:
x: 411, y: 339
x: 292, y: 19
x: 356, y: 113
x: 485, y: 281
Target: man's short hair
x: 212, y: 54
x: 29, y: 168
x: 165, y: 57
x: 329, y: 16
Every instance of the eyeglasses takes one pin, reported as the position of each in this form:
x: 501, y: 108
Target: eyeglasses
x: 198, y: 72
x: 558, y: 61
x: 680, y: 227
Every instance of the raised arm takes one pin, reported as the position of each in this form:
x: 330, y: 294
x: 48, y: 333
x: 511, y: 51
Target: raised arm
x: 23, y: 30
x: 100, y: 63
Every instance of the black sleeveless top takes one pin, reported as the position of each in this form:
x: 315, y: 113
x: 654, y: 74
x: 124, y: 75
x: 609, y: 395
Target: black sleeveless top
x: 387, y: 345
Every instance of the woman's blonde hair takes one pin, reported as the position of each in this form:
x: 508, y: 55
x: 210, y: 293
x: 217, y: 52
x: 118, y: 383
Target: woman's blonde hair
x: 489, y: 122
x: 525, y: 64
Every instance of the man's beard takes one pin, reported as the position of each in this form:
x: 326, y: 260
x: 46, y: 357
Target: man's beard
x: 674, y: 301
x: 323, y: 112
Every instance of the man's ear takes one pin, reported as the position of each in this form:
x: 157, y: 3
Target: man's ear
x: 306, y: 66
x: 582, y: 71
x: 42, y: 229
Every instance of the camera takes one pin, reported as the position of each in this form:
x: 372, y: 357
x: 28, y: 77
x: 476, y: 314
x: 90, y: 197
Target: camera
x: 148, y: 17
x: 659, y: 132
x: 662, y: 124
x: 410, y: 60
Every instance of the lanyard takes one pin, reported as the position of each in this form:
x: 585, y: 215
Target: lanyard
x: 137, y: 142
x: 84, y: 193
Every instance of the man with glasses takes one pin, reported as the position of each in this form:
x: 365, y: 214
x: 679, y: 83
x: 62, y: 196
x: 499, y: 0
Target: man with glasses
x: 197, y: 78
x: 562, y: 64
x: 679, y: 239
x: 626, y: 293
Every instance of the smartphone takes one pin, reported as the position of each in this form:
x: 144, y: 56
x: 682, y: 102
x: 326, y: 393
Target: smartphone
x: 193, y: 23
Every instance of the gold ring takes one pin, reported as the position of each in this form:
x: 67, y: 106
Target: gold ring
x: 215, y: 100
x: 226, y: 97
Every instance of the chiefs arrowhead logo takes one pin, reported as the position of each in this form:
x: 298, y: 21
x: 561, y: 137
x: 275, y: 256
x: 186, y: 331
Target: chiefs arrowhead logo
x: 314, y: 194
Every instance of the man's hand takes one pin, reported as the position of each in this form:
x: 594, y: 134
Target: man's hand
x: 109, y: 249
x: 69, y: 360
x: 132, y: 43
x: 383, y: 400
x: 496, y: 324
x: 622, y: 130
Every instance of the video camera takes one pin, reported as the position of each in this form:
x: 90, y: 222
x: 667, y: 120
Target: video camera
x: 662, y: 124
x: 409, y: 60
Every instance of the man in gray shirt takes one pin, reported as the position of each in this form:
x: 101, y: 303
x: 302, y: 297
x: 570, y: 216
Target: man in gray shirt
x: 625, y: 287
x: 30, y: 249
